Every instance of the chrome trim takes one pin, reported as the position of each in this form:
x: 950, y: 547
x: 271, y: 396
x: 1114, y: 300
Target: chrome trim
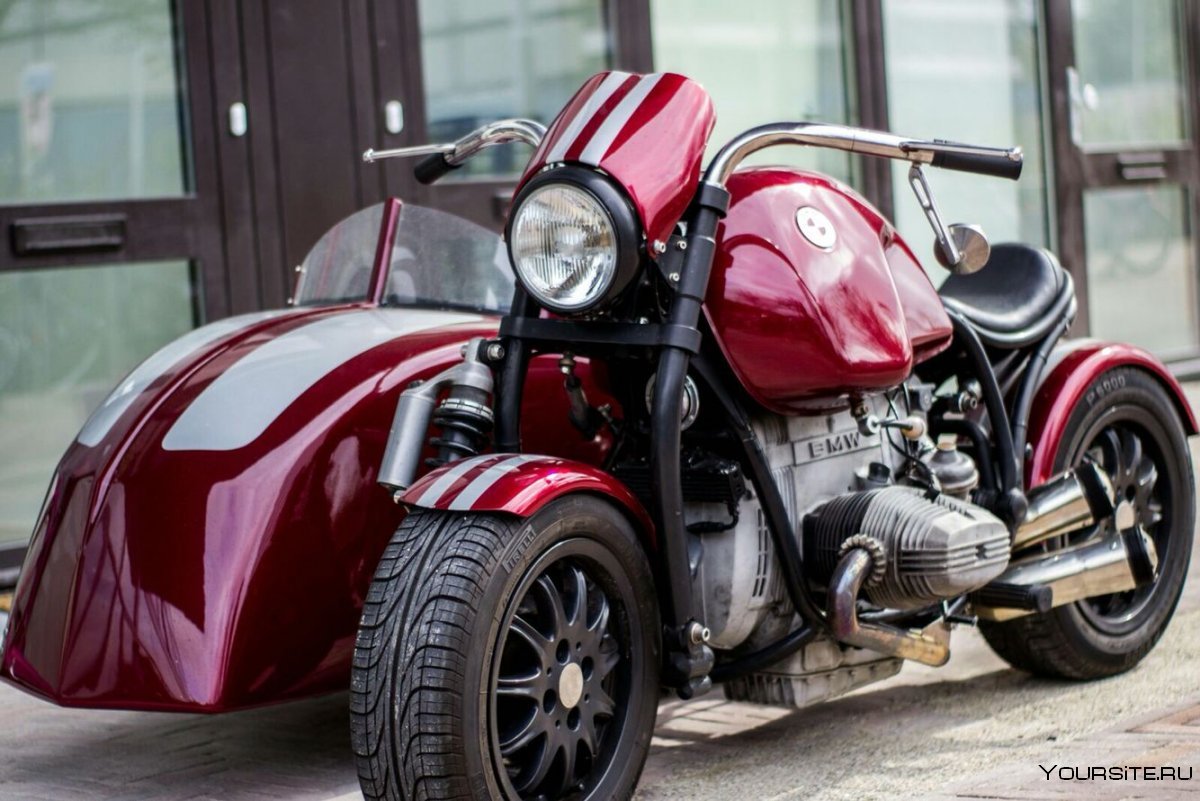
x: 1096, y: 568
x: 1068, y: 502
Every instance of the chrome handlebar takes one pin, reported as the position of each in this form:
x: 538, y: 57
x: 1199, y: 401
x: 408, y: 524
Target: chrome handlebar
x: 1005, y: 162
x: 457, y: 152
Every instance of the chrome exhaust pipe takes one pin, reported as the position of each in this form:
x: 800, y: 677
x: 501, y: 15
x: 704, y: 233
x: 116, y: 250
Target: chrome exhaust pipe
x: 931, y: 646
x: 1122, y: 561
x: 1068, y: 502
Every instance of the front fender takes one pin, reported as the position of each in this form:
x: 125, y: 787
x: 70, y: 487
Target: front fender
x: 1073, y: 367
x: 519, y: 484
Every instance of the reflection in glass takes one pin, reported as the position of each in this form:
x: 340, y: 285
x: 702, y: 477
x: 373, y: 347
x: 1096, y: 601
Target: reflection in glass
x: 1141, y: 287
x: 505, y: 58
x: 969, y: 72
x: 1131, y: 88
x: 66, y: 337
x: 89, y: 101
x: 769, y: 61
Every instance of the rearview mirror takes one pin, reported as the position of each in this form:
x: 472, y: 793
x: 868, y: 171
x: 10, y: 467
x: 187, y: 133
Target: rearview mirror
x: 972, y: 245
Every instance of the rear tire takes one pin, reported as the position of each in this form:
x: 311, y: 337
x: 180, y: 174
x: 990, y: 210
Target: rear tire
x: 1128, y: 423
x: 500, y: 658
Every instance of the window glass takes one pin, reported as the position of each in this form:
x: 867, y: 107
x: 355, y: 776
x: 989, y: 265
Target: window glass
x: 1141, y: 286
x: 89, y: 101
x: 968, y: 72
x: 1130, y: 88
x: 66, y: 337
x: 766, y: 61
x: 505, y: 58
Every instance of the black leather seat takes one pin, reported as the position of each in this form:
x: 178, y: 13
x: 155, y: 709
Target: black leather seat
x: 1018, y: 296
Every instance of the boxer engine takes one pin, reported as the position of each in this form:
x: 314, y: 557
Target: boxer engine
x: 845, y: 485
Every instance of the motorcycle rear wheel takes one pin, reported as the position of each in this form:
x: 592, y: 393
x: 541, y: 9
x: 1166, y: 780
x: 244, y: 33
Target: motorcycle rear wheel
x: 500, y: 658
x: 1129, y: 425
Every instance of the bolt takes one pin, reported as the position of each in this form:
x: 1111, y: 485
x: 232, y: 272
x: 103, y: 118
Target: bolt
x: 697, y: 633
x: 660, y: 246
x: 494, y: 352
x: 681, y: 244
x: 673, y: 278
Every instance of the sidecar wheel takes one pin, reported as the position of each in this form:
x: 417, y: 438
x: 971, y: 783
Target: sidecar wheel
x: 1131, y: 429
x: 500, y: 658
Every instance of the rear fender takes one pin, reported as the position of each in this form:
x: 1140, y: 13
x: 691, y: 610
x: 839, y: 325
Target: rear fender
x: 520, y: 484
x: 1072, y: 368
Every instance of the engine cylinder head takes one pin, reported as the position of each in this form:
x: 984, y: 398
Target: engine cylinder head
x: 935, y: 547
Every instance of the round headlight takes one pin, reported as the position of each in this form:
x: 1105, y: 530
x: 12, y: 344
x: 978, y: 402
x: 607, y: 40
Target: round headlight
x: 564, y: 247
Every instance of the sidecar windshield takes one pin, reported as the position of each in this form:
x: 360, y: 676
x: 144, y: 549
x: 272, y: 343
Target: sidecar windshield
x: 404, y: 255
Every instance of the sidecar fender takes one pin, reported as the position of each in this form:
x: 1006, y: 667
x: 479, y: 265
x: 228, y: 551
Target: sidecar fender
x: 519, y: 484
x: 1072, y: 368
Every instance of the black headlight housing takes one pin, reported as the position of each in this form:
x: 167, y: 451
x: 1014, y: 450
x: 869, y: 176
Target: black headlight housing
x: 594, y: 250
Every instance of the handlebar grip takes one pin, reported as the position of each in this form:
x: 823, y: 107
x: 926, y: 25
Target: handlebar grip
x: 998, y: 166
x: 432, y: 168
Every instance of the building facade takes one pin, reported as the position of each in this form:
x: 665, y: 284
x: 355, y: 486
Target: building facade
x: 164, y: 163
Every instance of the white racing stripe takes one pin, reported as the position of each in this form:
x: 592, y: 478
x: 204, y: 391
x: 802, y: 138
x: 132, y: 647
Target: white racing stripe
x: 607, y: 132
x: 603, y: 92
x: 237, y: 408
x: 457, y: 470
x: 121, y: 398
x: 485, y: 481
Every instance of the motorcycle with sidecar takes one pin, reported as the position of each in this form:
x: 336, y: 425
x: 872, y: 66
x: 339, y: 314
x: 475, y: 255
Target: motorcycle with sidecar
x: 683, y: 424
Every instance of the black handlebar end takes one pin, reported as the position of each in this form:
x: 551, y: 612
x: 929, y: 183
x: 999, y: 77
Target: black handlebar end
x: 1000, y: 166
x: 432, y: 168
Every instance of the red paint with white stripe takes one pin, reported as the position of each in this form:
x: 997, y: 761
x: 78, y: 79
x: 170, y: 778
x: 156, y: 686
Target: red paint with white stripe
x: 646, y: 131
x: 518, y: 485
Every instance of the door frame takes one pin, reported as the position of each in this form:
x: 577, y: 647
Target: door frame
x: 1076, y: 171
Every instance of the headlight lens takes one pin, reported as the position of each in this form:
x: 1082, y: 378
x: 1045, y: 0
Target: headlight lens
x: 564, y: 247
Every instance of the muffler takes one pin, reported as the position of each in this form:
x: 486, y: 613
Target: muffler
x: 1121, y: 561
x: 930, y: 646
x: 1068, y: 502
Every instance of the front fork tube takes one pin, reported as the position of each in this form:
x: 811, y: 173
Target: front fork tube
x: 689, y: 659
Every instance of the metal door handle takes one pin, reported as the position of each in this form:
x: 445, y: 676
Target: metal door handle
x: 238, y: 121
x: 393, y: 116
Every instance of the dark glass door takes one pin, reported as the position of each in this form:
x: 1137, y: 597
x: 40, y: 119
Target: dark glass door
x: 1124, y: 76
x: 110, y: 216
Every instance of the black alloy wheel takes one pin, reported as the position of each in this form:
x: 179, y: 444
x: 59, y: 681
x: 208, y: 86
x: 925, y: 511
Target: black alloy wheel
x: 500, y: 658
x: 1127, y: 423
x: 559, y: 683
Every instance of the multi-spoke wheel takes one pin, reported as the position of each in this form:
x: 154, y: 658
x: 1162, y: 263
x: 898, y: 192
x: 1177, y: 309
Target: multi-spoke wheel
x: 508, y: 659
x: 1129, y: 426
x: 556, y: 675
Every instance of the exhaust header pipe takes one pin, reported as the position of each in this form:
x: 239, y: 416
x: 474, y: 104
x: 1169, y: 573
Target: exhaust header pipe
x: 1068, y: 502
x: 1122, y: 561
x: 930, y: 646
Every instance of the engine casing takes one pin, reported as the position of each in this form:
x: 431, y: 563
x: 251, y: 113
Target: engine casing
x: 736, y: 575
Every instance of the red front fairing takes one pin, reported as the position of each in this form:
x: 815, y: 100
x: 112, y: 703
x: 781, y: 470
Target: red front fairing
x: 208, y: 580
x: 646, y: 131
x: 801, y: 324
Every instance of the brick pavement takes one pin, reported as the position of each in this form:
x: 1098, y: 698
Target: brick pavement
x: 1142, y: 759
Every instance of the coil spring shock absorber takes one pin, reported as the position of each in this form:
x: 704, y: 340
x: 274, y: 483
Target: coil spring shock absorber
x: 466, y: 422
x: 465, y: 417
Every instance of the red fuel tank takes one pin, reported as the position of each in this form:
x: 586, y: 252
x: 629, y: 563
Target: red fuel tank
x: 814, y: 295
